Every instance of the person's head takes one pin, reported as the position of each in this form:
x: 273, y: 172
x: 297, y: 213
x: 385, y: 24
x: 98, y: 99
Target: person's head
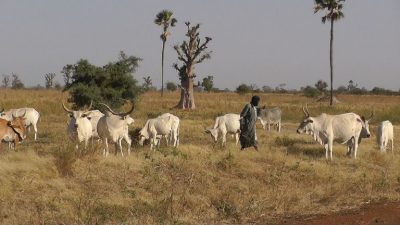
x: 254, y: 100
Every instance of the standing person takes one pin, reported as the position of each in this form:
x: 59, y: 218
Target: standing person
x: 248, y: 118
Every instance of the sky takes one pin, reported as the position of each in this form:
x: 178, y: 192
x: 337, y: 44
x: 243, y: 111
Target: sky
x: 262, y: 42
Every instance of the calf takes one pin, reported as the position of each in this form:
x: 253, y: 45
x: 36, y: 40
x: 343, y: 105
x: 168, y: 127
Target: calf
x: 165, y: 125
x: 384, y: 135
x: 228, y: 123
x: 270, y: 117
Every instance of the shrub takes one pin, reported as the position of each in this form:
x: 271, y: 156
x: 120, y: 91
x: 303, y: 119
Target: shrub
x: 243, y: 89
x: 310, y: 92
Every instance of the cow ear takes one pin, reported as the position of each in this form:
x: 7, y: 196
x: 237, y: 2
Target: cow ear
x: 363, y: 118
x: 70, y: 115
x: 207, y: 131
x: 310, y: 121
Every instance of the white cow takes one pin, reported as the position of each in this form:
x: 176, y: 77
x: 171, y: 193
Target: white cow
x: 270, y: 117
x: 114, y: 127
x: 344, y: 128
x: 31, y: 117
x: 228, y: 123
x: 166, y: 125
x: 82, y: 125
x: 385, y: 134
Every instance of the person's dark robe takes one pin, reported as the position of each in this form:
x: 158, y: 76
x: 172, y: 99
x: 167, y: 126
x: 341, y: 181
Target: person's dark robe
x: 248, y: 118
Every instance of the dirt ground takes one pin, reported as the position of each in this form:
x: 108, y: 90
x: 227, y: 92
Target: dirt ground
x: 376, y: 213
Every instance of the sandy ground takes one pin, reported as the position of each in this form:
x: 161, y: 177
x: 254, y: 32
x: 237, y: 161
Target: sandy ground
x: 376, y: 213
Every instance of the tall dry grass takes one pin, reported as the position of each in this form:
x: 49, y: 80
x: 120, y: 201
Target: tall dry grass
x: 48, y: 182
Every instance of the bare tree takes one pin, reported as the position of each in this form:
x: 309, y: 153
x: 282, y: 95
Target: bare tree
x: 190, y: 53
x: 148, y: 84
x: 49, y: 77
x: 6, y: 80
x: 16, y: 83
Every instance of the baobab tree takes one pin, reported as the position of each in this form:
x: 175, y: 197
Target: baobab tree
x: 190, y: 53
x: 333, y: 13
x: 164, y: 19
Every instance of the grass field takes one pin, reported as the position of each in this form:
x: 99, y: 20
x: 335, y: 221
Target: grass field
x: 47, y: 182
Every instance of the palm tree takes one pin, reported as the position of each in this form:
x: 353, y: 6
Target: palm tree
x: 333, y: 13
x: 164, y: 19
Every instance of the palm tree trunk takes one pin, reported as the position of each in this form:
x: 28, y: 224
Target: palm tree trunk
x: 162, y: 69
x: 331, y: 62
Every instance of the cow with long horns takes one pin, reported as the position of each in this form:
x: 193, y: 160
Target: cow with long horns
x: 345, y: 128
x: 113, y: 127
x: 82, y: 125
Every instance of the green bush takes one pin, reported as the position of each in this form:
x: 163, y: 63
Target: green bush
x: 310, y: 92
x: 111, y: 84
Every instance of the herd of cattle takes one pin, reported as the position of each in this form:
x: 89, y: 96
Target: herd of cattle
x: 86, y: 124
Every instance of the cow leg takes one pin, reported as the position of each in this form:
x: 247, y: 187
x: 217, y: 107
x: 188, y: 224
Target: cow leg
x: 326, y: 150
x: 105, y: 151
x: 392, y: 144
x: 237, y: 138
x: 120, y: 146
x: 35, y: 129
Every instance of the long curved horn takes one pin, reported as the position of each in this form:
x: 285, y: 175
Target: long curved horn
x: 66, y: 109
x: 119, y: 114
x: 131, y: 110
x: 372, y: 115
x: 23, y: 115
x: 308, y: 112
x: 305, y: 110
x: 89, y: 107
x: 109, y: 109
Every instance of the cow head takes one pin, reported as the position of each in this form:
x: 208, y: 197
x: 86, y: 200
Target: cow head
x: 79, y: 118
x: 213, y: 132
x: 307, y: 124
x: 17, y: 124
x: 365, y: 126
x: 142, y: 138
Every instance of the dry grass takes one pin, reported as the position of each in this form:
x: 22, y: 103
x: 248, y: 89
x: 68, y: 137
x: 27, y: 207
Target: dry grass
x: 47, y: 182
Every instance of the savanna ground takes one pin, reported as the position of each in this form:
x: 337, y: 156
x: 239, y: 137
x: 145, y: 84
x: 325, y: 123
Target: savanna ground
x: 48, y: 182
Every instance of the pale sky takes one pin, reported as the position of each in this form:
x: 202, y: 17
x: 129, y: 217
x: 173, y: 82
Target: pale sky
x: 263, y: 42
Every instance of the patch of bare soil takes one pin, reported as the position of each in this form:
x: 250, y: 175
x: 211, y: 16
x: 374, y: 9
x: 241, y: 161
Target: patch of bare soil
x: 376, y: 214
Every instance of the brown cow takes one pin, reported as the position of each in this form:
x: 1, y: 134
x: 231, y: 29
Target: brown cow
x: 13, y: 131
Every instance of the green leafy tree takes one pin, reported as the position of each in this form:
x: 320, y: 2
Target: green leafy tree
x: 171, y: 86
x: 111, y: 84
x: 208, y: 83
x: 333, y: 13
x: 190, y: 53
x: 164, y: 19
